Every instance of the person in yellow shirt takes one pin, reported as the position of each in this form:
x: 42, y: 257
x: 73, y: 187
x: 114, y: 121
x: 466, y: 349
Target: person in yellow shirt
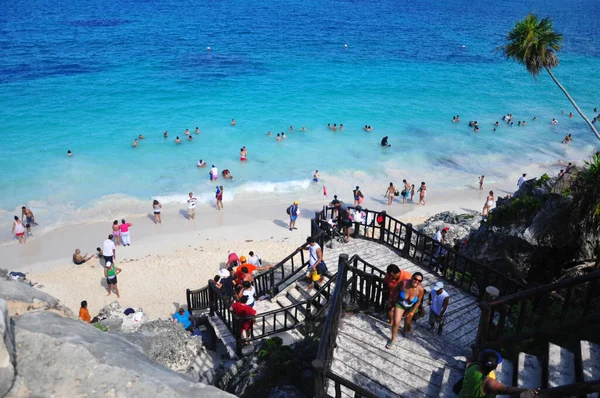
x: 84, y: 314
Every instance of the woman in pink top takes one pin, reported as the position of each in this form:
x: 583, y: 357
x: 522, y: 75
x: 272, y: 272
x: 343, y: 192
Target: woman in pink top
x: 125, y: 237
x: 116, y: 232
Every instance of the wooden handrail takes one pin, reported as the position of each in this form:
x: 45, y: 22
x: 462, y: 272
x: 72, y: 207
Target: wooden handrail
x: 536, y: 291
x: 571, y: 390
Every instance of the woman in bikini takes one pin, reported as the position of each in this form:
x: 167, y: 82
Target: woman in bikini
x: 489, y: 202
x: 391, y: 191
x: 116, y: 232
x: 422, y: 193
x: 408, y: 296
x: 157, y: 207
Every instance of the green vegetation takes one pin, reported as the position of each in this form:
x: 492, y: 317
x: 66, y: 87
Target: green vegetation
x: 519, y: 209
x: 101, y: 326
x: 586, y: 193
x: 533, y: 43
x: 543, y: 180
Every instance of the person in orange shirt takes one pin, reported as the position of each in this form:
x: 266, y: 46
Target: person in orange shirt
x: 251, y: 267
x: 393, y: 276
x: 84, y: 314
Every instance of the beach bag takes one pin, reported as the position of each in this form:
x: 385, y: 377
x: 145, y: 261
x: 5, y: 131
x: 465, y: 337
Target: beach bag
x: 379, y: 219
x: 322, y: 267
x: 289, y: 210
x: 397, y: 193
x: 403, y: 192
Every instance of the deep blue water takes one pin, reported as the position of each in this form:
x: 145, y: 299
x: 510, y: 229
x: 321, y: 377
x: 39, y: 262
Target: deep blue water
x: 90, y: 76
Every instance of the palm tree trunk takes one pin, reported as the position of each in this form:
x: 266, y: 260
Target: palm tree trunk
x: 573, y: 102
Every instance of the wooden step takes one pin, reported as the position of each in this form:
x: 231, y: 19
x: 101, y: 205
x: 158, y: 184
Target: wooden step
x: 451, y: 376
x: 345, y: 392
x: 561, y: 366
x: 284, y: 301
x: 504, y: 374
x: 590, y: 358
x: 529, y: 371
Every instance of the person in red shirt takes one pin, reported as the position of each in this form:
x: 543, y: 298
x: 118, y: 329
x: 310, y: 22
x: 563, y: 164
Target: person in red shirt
x: 241, y: 309
x: 393, y: 276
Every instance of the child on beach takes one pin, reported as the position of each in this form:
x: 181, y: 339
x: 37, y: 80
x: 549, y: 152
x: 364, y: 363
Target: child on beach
x: 481, y: 183
x: 84, y: 314
x: 28, y: 230
x: 412, y: 191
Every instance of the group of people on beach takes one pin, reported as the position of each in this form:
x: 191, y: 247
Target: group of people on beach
x: 408, y: 191
x: 19, y: 229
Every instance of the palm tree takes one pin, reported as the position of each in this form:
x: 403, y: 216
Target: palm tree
x: 534, y: 44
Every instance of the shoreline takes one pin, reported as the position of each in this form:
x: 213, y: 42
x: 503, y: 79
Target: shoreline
x: 164, y: 260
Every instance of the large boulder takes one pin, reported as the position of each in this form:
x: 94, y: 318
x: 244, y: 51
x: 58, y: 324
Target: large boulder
x: 63, y: 357
x: 460, y: 225
x: 7, y: 350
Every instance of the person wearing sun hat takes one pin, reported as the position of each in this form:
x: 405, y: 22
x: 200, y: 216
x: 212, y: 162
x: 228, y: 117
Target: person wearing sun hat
x: 438, y: 305
x: 480, y: 381
x: 294, y: 213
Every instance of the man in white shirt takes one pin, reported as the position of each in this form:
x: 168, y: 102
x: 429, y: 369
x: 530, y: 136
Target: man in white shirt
x: 521, y: 180
x: 214, y: 173
x: 109, y: 251
x: 438, y: 302
x: 191, y: 206
x: 254, y: 259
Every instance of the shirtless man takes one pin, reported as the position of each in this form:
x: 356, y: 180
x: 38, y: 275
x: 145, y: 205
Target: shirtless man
x: 135, y: 142
x: 79, y: 259
x: 27, y: 215
x: 197, y: 130
x: 567, y: 139
x: 187, y: 132
x: 233, y: 122
x: 177, y: 140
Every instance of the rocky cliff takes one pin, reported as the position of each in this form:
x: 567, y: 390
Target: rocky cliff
x: 45, y: 352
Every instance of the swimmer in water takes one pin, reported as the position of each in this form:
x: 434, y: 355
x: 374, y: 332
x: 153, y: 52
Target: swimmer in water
x: 226, y: 174
x: 201, y: 163
x: 534, y: 118
x: 177, y: 140
x: 243, y: 153
x: 316, y: 176
x: 187, y: 132
x: 69, y: 153
x: 291, y: 128
x: 141, y: 137
x: 329, y: 126
x: 334, y: 128
x: 166, y: 134
x: 341, y: 127
x: 496, y: 124
x: 232, y: 122
x: 270, y: 134
x: 567, y: 139
x: 384, y: 142
x: 135, y: 142
x: 524, y: 123
x: 278, y: 137
x: 303, y: 128
x: 366, y: 128
x: 554, y: 121
x: 283, y: 135
x: 197, y: 130
x: 369, y: 128
x: 190, y: 138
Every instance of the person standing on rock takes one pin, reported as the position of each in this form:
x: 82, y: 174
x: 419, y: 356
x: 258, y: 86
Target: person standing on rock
x: 489, y: 202
x: 110, y: 273
x: 521, y: 180
x: 438, y: 305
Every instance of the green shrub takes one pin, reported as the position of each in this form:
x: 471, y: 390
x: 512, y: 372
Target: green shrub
x: 101, y: 326
x: 544, y: 178
x: 518, y: 210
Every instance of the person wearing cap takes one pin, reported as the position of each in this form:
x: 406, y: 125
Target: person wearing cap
x: 521, y: 180
x: 110, y: 273
x: 438, y: 305
x: 293, y: 214
x: 480, y: 381
x: 250, y: 267
x: 358, y: 196
x: 183, y: 316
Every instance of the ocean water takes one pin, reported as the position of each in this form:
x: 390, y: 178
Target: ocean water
x: 91, y: 75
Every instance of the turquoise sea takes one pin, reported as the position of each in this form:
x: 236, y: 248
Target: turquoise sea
x: 89, y: 76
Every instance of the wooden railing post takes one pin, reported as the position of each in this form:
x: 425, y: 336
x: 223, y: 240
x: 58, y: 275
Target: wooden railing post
x: 189, y: 301
x: 484, y: 324
x: 211, y: 300
x: 319, y: 378
x: 407, y: 240
x: 382, y: 226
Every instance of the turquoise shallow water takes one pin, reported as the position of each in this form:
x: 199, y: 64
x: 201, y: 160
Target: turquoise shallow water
x: 90, y: 76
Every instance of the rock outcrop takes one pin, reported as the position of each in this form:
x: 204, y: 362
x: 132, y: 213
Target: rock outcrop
x: 56, y: 355
x: 460, y: 225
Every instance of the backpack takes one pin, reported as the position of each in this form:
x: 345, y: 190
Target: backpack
x: 289, y: 210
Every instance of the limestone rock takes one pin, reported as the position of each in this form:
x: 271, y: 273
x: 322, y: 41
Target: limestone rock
x: 65, y: 357
x: 461, y: 225
x: 7, y: 351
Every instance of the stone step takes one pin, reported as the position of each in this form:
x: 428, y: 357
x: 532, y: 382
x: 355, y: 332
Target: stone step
x: 416, y: 374
x: 449, y: 379
x: 504, y: 374
x: 561, y: 366
x: 590, y: 358
x: 369, y: 377
x: 529, y: 371
x: 223, y: 334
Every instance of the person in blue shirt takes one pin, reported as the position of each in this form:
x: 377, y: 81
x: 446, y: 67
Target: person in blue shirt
x: 294, y: 212
x: 184, y: 317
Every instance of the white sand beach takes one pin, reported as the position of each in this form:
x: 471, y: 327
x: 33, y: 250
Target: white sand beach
x: 164, y: 260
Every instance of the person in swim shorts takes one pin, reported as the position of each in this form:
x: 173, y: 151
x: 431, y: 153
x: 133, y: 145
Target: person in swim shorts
x: 316, y: 176
x: 78, y: 259
x: 243, y: 153
x: 27, y: 215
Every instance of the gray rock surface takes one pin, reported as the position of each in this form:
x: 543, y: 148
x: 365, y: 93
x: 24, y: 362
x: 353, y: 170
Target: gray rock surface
x: 460, y: 225
x: 66, y: 357
x: 7, y: 352
x: 15, y: 291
